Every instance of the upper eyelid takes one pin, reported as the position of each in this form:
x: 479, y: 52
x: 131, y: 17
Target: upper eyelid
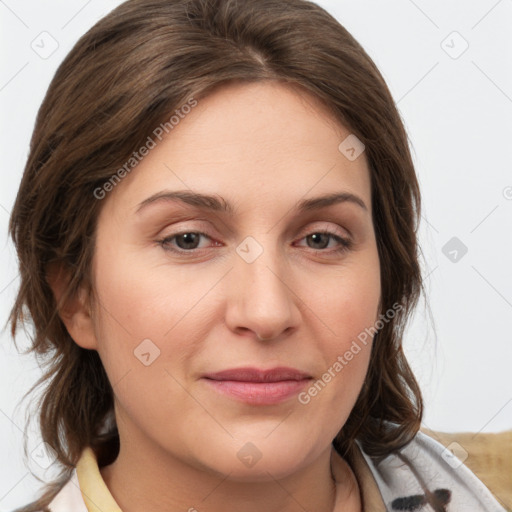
x: 335, y: 230
x: 345, y: 243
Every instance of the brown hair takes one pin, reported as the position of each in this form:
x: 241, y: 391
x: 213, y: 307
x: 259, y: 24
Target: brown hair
x: 124, y: 78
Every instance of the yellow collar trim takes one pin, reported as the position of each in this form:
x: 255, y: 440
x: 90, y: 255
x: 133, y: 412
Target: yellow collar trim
x: 96, y: 494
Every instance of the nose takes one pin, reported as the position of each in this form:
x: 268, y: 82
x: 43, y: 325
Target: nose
x: 261, y: 299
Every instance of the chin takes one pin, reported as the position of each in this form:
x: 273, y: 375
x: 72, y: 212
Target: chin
x: 262, y: 471
x: 257, y: 461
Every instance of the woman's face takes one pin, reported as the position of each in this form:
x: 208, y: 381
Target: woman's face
x: 171, y: 312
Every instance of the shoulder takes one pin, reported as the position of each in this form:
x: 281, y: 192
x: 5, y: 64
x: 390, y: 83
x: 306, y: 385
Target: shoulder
x: 423, y: 467
x: 69, y: 497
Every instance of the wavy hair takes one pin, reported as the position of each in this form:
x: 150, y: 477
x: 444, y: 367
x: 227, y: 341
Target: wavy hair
x: 125, y: 77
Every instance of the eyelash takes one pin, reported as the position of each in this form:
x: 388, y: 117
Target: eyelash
x: 345, y: 243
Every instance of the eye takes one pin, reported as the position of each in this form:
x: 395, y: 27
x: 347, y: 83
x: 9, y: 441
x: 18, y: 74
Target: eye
x: 323, y: 237
x: 188, y: 241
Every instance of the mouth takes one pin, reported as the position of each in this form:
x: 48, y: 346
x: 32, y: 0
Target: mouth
x: 257, y: 386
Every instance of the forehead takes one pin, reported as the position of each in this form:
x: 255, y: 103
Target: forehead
x: 266, y: 139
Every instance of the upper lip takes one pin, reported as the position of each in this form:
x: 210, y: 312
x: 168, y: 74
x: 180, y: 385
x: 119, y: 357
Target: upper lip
x: 248, y: 374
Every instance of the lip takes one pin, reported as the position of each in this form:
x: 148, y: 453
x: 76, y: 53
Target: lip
x: 258, y: 386
x: 250, y: 374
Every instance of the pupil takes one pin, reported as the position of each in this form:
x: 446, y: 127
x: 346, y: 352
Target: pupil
x: 316, y: 237
x: 189, y: 238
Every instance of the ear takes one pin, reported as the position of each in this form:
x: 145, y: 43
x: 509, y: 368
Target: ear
x: 75, y: 312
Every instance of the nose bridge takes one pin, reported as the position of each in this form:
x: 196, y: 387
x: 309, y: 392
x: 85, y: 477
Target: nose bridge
x: 264, y: 301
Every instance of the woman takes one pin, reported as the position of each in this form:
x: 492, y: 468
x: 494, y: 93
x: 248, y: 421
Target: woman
x: 216, y: 230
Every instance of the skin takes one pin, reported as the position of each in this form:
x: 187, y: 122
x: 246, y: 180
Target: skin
x: 263, y: 147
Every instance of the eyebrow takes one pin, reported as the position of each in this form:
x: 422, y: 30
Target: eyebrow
x: 219, y: 204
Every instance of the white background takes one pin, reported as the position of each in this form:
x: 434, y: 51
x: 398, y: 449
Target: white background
x: 458, y: 114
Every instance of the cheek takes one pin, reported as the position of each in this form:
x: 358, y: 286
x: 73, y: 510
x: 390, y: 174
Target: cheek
x: 350, y: 305
x: 349, y: 311
x: 148, y: 314
x: 141, y: 339
x: 144, y: 301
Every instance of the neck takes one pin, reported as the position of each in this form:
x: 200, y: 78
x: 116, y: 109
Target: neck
x: 143, y: 479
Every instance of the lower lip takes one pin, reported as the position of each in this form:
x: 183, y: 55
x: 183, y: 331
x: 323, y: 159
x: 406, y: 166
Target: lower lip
x: 261, y: 393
